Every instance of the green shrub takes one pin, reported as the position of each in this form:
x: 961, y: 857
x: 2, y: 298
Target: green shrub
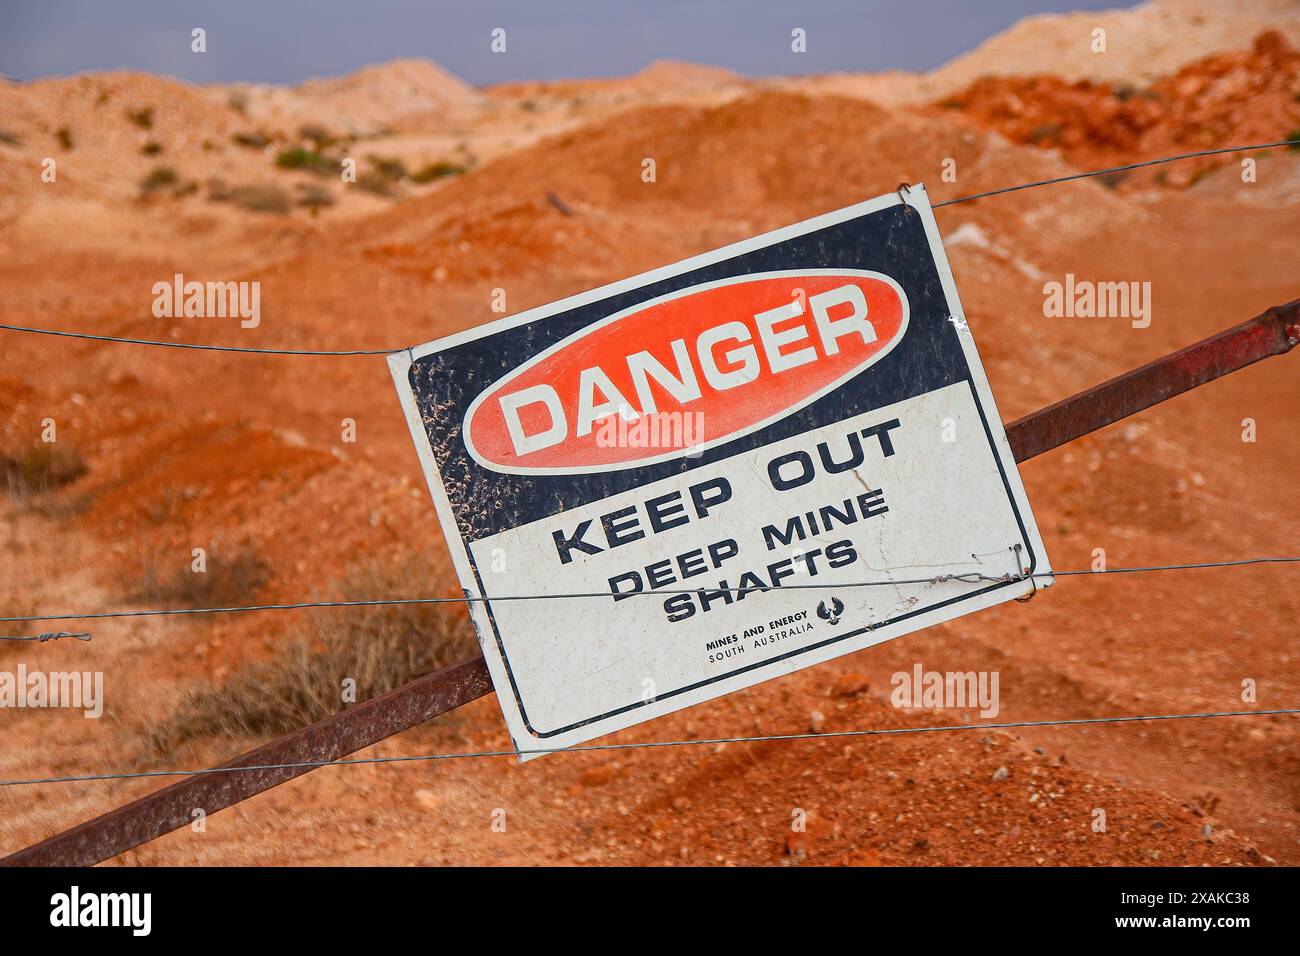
x: 309, y: 160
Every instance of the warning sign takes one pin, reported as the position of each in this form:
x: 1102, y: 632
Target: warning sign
x: 722, y: 471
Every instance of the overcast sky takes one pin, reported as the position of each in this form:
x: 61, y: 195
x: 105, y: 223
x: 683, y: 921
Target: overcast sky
x: 286, y: 41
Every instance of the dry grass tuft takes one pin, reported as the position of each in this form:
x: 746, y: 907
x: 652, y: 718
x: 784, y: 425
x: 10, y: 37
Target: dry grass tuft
x: 380, y: 648
x: 39, y: 469
x: 228, y: 581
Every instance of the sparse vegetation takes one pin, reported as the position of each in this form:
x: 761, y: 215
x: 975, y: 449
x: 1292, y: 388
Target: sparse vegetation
x: 438, y: 170
x: 251, y: 140
x: 308, y: 160
x: 64, y: 136
x: 385, y: 176
x: 160, y: 177
x: 377, y: 183
x: 314, y: 196
x: 9, y: 139
x: 1125, y: 92
x: 152, y: 148
x: 380, y: 648
x: 40, y: 468
x: 1294, y: 135
x: 142, y: 118
x: 227, y: 581
x: 317, y: 134
x: 267, y: 198
x: 393, y: 169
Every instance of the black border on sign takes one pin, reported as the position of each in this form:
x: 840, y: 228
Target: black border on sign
x: 1024, y: 537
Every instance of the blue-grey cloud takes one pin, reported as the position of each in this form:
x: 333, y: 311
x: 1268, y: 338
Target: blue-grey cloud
x: 286, y: 41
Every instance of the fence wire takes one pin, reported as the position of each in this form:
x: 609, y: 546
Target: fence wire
x: 965, y: 577
x: 649, y: 745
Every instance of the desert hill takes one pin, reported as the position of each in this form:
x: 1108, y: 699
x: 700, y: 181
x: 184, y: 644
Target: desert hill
x: 1143, y: 43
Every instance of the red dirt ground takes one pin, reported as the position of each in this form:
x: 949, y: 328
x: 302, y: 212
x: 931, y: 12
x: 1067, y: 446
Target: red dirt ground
x: 242, y: 453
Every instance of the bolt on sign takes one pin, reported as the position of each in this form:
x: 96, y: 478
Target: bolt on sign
x: 716, y: 456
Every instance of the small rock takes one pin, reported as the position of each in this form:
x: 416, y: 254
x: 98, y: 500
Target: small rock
x: 816, y: 721
x: 850, y: 685
x: 1001, y: 774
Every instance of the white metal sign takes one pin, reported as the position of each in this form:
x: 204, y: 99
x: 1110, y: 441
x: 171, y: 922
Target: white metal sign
x: 748, y: 462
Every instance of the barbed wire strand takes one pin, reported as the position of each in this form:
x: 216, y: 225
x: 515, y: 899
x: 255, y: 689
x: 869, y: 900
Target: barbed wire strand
x: 1118, y: 169
x: 47, y: 636
x: 191, y: 345
x: 966, y: 578
x: 650, y: 744
x: 391, y: 351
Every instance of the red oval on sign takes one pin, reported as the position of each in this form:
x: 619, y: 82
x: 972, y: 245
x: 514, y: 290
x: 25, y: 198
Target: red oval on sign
x: 685, y: 372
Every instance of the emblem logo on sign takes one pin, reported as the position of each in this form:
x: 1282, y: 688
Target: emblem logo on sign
x: 736, y: 355
x: 831, y: 615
